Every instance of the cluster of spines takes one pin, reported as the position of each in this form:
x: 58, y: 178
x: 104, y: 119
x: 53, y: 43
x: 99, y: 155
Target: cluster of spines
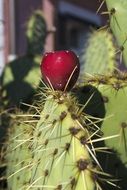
x: 61, y: 145
x: 110, y: 93
x: 18, y: 155
x: 51, y: 130
x: 117, y: 80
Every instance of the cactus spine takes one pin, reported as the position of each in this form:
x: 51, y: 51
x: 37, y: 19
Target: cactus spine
x: 57, y: 149
x: 18, y: 156
x: 58, y: 152
x: 118, y: 14
x: 110, y: 98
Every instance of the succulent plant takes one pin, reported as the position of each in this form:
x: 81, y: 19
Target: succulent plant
x: 109, y: 103
x: 36, y: 33
x: 19, y: 142
x: 22, y: 76
x: 76, y: 136
x: 98, y: 55
x: 117, y: 13
x: 60, y: 144
x: 56, y: 143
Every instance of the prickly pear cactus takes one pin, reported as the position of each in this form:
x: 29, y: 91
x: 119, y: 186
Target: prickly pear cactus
x: 99, y: 53
x: 118, y: 13
x: 110, y: 104
x: 19, y: 156
x: 56, y: 146
x: 22, y: 76
x: 36, y: 33
x: 58, y: 152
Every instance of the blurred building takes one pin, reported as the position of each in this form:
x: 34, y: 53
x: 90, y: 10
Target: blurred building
x: 68, y: 22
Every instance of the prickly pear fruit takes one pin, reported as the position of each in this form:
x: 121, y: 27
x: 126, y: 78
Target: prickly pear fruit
x: 60, y: 69
x: 57, y: 150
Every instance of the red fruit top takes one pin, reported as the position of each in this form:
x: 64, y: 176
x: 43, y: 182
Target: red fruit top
x: 60, y: 69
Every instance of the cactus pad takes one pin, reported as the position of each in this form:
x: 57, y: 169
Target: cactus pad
x: 113, y: 91
x: 19, y: 156
x: 118, y: 14
x: 22, y: 76
x: 99, y: 54
x: 59, y: 152
x: 36, y: 33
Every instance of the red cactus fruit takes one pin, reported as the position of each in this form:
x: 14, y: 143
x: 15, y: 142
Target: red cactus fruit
x: 60, y: 69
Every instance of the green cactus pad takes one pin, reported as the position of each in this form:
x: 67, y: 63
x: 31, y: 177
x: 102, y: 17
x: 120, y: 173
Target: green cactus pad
x: 62, y: 155
x: 36, y: 33
x: 98, y: 57
x: 111, y: 98
x: 19, y: 156
x: 118, y: 14
x: 57, y: 154
x: 22, y: 76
